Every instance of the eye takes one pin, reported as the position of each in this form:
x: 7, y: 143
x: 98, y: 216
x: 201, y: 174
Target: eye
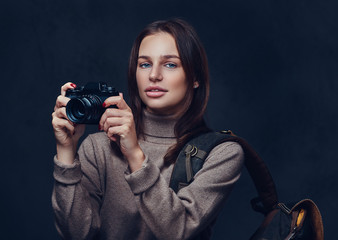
x: 145, y: 65
x: 170, y: 65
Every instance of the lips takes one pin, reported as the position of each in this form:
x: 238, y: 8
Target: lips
x: 155, y: 91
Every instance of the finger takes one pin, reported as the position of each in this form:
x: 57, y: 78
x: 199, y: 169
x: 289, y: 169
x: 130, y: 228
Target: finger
x: 110, y: 112
x: 61, y: 101
x: 115, y: 121
x: 116, y: 100
x: 121, y: 116
x: 60, y: 124
x: 115, y: 112
x: 65, y: 87
x: 114, y: 138
x: 116, y: 132
x: 61, y: 113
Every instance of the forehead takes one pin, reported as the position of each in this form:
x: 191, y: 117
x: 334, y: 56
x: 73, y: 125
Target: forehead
x: 158, y: 44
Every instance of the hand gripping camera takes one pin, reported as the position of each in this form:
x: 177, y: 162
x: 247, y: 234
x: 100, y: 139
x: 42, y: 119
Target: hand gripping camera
x: 85, y: 105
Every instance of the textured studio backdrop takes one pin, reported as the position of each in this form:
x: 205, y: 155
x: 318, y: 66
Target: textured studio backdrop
x: 274, y: 81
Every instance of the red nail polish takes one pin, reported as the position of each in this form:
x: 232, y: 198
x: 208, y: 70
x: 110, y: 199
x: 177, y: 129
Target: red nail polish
x: 104, y: 104
x: 73, y: 85
x: 99, y: 128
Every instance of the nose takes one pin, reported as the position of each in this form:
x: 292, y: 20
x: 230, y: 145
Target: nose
x: 155, y: 74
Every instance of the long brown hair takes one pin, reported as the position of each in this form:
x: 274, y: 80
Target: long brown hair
x: 195, y: 65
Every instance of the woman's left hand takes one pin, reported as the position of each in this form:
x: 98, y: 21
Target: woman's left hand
x: 119, y: 125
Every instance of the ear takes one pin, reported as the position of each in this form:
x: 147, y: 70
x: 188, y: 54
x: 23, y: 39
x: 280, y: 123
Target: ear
x: 196, y: 84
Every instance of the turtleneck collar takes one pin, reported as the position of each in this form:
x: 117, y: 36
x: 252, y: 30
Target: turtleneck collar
x: 158, y: 128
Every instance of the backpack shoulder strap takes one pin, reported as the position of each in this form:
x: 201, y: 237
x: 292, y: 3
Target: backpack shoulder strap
x: 191, y: 158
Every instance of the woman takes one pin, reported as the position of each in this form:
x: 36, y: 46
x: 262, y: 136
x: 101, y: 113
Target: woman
x: 117, y: 185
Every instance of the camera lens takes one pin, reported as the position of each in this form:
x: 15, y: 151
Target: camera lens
x: 79, y: 109
x: 86, y: 109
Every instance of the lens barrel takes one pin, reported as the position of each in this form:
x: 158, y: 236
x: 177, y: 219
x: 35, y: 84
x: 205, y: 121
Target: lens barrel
x: 85, y: 109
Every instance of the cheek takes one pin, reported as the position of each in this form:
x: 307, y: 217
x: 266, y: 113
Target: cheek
x: 139, y: 81
x: 180, y: 84
x: 182, y: 93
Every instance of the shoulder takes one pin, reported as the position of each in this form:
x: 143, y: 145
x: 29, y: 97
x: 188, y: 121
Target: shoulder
x: 228, y: 154
x: 223, y: 164
x: 228, y: 148
x: 218, y: 144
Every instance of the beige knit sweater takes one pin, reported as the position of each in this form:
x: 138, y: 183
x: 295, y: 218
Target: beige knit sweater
x: 98, y: 198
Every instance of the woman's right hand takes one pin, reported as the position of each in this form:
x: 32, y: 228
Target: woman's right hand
x: 67, y: 133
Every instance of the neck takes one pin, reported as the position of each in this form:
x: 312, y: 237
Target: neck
x: 159, y: 126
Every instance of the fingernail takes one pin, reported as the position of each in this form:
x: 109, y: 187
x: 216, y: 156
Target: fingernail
x: 73, y: 85
x: 104, y: 104
x: 99, y: 127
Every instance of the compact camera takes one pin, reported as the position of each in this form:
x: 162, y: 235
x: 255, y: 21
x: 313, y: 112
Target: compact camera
x: 85, y: 105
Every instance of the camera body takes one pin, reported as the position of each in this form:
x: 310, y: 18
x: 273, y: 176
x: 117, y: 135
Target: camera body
x: 85, y: 105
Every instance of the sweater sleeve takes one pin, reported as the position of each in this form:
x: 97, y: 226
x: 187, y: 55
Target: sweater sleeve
x: 193, y: 208
x: 77, y: 194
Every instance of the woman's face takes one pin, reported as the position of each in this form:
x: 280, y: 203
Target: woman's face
x: 160, y: 77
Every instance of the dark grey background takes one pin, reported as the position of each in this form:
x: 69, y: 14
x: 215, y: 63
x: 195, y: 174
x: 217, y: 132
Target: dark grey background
x: 274, y: 78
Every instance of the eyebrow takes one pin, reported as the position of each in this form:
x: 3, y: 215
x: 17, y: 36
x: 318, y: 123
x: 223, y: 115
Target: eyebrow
x: 162, y: 56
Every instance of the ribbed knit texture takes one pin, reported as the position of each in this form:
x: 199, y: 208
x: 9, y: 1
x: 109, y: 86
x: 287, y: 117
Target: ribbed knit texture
x: 97, y: 195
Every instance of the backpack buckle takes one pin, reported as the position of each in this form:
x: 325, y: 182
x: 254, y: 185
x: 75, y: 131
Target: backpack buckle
x: 191, y: 150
